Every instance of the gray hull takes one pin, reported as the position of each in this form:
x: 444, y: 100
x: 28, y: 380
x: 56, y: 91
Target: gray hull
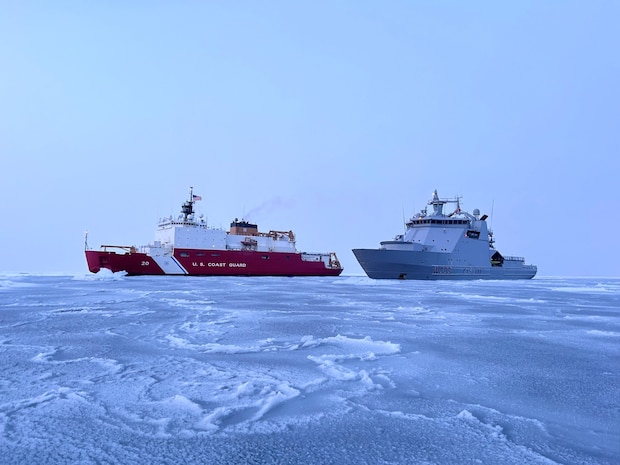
x: 440, y: 245
x: 398, y: 264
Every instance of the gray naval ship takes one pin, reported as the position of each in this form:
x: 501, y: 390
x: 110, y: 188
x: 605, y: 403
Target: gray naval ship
x: 437, y: 245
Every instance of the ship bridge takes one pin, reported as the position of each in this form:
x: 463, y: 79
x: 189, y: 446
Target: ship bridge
x: 442, y: 232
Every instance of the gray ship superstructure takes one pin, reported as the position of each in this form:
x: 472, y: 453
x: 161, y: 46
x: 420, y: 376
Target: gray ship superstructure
x: 436, y: 245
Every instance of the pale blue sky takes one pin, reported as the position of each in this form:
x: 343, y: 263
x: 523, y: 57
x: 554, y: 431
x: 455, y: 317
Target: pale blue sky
x: 328, y: 118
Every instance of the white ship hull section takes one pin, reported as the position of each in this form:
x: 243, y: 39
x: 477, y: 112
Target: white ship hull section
x: 189, y: 235
x: 163, y: 257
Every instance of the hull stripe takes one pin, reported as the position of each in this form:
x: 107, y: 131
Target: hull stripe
x: 183, y: 270
x: 169, y: 264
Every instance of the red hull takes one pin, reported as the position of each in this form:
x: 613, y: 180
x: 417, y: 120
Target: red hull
x: 211, y: 263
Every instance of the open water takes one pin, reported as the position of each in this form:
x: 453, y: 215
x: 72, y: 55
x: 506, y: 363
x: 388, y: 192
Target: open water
x: 107, y: 369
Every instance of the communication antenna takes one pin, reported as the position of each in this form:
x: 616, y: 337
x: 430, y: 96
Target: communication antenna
x: 491, y: 240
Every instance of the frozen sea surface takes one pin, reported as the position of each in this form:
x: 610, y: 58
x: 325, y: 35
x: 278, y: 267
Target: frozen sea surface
x: 106, y: 369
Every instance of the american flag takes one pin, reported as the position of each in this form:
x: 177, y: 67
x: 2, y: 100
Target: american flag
x: 196, y: 197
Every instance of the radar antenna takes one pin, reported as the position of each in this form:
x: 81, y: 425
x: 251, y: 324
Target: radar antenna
x: 491, y: 240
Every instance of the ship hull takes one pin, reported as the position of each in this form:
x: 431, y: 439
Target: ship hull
x: 195, y: 262
x: 396, y: 264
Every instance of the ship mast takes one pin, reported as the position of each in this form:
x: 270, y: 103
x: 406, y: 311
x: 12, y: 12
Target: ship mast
x: 437, y: 204
x: 188, y: 207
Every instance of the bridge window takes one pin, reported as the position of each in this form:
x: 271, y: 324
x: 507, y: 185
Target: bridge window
x: 473, y: 234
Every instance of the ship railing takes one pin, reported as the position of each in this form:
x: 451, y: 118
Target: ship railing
x: 126, y: 248
x: 333, y: 261
x: 515, y: 259
x: 330, y: 260
x: 279, y: 235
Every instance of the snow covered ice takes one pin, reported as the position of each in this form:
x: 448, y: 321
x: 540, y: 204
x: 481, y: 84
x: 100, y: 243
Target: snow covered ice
x: 103, y: 369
